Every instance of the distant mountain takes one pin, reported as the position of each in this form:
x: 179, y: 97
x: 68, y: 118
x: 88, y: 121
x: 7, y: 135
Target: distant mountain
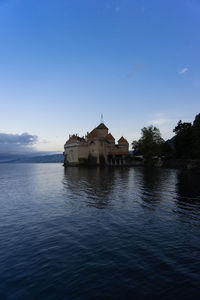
x: 54, y: 158
x: 49, y: 158
x: 171, y: 142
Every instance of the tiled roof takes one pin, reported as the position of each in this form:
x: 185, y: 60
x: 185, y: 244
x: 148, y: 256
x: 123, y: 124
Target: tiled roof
x: 110, y: 137
x: 102, y: 126
x: 92, y: 134
x: 122, y: 140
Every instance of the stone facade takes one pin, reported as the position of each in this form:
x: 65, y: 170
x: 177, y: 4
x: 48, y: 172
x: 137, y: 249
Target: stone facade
x: 96, y: 148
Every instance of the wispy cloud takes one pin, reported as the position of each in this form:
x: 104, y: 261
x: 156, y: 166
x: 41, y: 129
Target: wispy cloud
x: 159, y: 121
x: 184, y: 70
x: 165, y: 123
x: 135, y: 69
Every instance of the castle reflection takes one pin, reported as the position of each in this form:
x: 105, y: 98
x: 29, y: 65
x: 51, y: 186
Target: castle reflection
x: 152, y: 188
x: 93, y: 185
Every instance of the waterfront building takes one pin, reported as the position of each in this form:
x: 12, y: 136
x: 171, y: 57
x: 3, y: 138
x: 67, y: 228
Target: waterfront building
x: 98, y: 147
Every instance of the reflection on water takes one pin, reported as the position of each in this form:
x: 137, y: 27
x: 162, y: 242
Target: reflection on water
x: 188, y: 185
x: 93, y: 185
x: 115, y: 233
x: 152, y: 186
x: 188, y: 195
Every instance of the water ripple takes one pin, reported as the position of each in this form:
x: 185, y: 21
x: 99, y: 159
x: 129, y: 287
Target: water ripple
x: 98, y: 233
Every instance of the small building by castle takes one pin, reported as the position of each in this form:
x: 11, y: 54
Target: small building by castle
x: 98, y: 147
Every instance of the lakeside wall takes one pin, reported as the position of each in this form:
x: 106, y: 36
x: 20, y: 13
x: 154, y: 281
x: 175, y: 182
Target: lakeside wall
x: 169, y: 163
x: 181, y: 164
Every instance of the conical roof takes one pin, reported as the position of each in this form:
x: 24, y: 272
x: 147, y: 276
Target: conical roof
x: 122, y: 140
x: 92, y: 134
x: 110, y: 137
x: 101, y: 126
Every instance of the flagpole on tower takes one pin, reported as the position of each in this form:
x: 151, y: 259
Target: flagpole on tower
x: 102, y: 118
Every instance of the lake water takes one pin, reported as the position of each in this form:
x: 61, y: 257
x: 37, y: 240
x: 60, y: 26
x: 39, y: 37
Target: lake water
x: 98, y: 233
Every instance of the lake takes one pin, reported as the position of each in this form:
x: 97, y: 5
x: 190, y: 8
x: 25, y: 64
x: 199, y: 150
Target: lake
x: 80, y: 233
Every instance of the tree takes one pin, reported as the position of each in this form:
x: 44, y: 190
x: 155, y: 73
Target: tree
x: 183, y: 140
x: 196, y: 137
x: 149, y: 144
x: 136, y: 146
x: 167, y: 150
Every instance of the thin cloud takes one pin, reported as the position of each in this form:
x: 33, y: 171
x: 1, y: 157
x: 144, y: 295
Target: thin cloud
x: 183, y: 71
x: 136, y: 69
x: 159, y: 121
x: 164, y: 123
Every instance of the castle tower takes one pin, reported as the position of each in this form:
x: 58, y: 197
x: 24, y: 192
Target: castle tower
x: 102, y: 130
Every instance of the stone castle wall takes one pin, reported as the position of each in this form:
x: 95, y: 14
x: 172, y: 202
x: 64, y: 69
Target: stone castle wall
x: 98, y: 148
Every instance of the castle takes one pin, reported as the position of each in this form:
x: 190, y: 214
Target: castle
x: 96, y: 148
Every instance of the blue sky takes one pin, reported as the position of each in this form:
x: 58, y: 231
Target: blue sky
x: 63, y: 63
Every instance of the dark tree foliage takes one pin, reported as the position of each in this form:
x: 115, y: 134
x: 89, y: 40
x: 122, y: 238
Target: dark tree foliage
x: 136, y: 147
x: 183, y: 140
x: 167, y: 151
x: 196, y: 137
x: 150, y: 144
x: 187, y: 141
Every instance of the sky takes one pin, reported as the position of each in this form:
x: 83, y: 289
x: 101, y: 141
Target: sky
x: 64, y: 63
